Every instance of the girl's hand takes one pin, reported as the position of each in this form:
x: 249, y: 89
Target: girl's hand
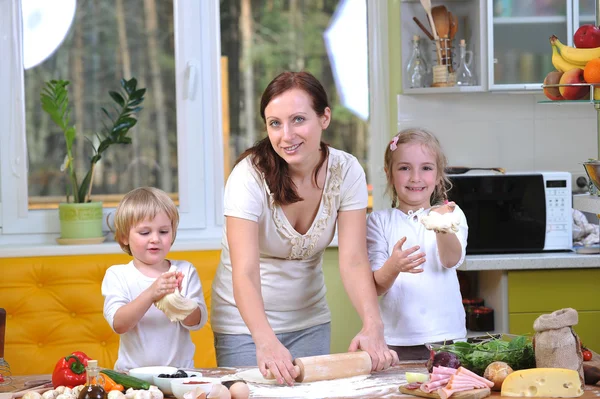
x: 403, y: 261
x: 446, y: 208
x: 273, y: 356
x: 165, y: 284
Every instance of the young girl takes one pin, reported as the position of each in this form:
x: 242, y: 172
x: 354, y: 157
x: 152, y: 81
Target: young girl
x: 145, y: 227
x: 415, y: 268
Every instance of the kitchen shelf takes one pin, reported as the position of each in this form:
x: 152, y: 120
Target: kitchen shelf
x: 558, y: 19
x: 442, y: 90
x: 587, y: 203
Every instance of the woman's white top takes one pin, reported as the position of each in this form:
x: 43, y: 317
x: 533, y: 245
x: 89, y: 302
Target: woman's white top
x: 292, y: 282
x: 155, y: 340
x: 422, y: 307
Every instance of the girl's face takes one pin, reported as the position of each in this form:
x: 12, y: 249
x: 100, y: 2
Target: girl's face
x: 150, y: 240
x: 294, y: 127
x: 414, y: 175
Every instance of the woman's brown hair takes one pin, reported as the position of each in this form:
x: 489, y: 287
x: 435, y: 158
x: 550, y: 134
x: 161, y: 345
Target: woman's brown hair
x: 264, y: 158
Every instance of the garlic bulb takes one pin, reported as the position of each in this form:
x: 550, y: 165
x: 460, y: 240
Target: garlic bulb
x: 446, y: 223
x: 174, y: 305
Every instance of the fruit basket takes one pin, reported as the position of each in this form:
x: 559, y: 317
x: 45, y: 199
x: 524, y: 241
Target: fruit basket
x: 476, y: 353
x: 591, y: 94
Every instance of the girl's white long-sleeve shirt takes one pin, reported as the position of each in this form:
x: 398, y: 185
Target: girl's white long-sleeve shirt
x: 422, y: 307
x: 155, y: 340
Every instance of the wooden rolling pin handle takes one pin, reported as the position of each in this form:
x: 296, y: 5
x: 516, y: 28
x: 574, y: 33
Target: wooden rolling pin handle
x: 270, y: 375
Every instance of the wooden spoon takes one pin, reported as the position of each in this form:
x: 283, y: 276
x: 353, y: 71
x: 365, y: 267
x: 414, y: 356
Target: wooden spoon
x: 453, y: 25
x: 442, y: 25
x: 427, y: 6
x: 441, y: 21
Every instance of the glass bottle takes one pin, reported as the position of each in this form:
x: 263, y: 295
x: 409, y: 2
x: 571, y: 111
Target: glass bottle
x: 93, y: 388
x: 416, y: 69
x: 464, y: 76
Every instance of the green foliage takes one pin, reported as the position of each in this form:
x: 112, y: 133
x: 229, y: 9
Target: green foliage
x: 517, y: 353
x: 55, y: 102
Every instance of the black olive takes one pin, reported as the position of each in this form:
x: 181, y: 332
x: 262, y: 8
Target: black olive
x: 163, y: 376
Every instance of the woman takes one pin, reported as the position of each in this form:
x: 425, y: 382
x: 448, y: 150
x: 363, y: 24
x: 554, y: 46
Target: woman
x: 282, y: 202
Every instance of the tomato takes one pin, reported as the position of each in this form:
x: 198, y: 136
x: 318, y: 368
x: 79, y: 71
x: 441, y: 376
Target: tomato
x: 587, y: 355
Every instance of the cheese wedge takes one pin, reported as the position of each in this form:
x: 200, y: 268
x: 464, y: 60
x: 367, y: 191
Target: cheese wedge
x: 543, y: 382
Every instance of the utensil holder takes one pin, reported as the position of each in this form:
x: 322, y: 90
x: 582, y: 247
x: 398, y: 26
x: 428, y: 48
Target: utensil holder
x: 446, y: 52
x: 441, y: 76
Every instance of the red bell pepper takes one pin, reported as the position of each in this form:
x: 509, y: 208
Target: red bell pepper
x: 70, y: 370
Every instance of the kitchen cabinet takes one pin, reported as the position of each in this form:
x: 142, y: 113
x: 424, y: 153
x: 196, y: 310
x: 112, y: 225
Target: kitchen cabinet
x: 532, y: 293
x: 471, y: 15
x: 520, y: 55
x: 509, y: 39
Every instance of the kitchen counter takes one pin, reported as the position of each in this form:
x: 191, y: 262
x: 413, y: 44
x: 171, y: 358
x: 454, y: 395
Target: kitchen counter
x: 528, y: 261
x: 378, y: 385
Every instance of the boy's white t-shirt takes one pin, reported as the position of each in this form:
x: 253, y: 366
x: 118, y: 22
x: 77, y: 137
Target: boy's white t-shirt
x: 423, y: 307
x: 292, y: 282
x: 155, y: 340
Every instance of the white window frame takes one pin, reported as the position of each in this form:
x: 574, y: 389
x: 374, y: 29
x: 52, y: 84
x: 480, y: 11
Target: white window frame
x: 199, y: 129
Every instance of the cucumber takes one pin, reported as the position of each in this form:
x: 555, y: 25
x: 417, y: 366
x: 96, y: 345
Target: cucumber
x: 416, y: 377
x: 126, y: 380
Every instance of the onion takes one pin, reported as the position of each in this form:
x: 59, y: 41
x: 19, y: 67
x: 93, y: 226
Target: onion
x: 496, y: 372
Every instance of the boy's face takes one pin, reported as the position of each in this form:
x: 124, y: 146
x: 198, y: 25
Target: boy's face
x: 150, y: 240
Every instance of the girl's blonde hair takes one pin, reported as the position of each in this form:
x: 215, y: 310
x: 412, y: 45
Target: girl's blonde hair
x: 141, y: 204
x: 427, y: 139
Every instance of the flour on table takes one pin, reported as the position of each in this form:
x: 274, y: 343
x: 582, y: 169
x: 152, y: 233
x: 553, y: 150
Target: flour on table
x: 359, y: 386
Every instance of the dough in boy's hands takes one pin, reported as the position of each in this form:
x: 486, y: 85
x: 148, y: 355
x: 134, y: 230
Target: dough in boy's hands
x: 174, y: 305
x: 446, y: 223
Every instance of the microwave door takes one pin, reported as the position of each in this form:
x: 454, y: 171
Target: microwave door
x: 505, y: 214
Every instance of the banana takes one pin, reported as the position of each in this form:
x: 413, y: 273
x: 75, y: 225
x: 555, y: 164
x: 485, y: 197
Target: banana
x: 577, y: 56
x: 560, y: 63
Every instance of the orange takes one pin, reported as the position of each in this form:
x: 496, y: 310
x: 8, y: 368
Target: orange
x: 591, y: 71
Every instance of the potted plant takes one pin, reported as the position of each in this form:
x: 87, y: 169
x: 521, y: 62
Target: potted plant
x: 80, y: 217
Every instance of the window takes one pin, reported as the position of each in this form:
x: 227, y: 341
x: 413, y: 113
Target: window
x: 260, y: 39
x: 186, y: 140
x: 172, y: 49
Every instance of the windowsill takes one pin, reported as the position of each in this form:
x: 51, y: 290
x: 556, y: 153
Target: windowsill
x: 109, y: 247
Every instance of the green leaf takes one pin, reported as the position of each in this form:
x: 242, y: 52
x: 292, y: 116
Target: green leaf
x: 117, y: 97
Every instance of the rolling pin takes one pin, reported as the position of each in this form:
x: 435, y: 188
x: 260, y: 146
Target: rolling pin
x: 329, y: 367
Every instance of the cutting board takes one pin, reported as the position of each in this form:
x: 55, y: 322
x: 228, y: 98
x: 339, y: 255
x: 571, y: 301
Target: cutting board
x: 470, y: 394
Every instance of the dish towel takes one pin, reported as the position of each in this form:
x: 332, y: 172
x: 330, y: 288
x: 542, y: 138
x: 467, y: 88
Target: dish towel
x: 584, y: 232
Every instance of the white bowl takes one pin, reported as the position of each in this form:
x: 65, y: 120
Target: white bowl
x: 147, y: 373
x: 180, y: 386
x: 163, y: 383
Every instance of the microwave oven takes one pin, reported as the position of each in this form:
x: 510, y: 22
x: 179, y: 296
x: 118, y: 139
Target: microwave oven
x: 515, y: 212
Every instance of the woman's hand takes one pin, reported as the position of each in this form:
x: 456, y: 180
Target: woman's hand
x: 273, y: 356
x: 404, y: 261
x: 371, y: 341
x: 165, y: 284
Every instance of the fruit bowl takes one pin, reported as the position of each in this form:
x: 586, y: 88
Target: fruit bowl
x: 592, y: 168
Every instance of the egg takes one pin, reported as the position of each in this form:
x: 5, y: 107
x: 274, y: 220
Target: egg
x: 219, y: 391
x: 239, y: 390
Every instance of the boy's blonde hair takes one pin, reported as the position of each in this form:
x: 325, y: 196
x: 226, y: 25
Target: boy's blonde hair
x: 141, y: 204
x: 427, y: 139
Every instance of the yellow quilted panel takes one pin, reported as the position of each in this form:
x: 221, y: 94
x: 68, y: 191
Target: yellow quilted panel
x: 54, y: 307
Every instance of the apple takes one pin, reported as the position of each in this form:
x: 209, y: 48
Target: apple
x: 574, y: 75
x: 587, y: 36
x: 553, y: 93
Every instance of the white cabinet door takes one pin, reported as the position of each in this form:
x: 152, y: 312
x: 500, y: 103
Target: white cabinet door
x: 519, y: 50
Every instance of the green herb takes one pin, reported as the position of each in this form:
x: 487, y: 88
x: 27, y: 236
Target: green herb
x: 517, y: 353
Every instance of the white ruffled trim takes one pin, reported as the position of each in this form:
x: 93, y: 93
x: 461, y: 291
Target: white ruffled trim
x: 303, y: 246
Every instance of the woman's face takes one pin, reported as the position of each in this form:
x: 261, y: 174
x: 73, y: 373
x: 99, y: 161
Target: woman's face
x: 294, y: 127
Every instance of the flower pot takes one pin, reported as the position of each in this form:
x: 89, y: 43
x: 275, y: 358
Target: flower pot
x: 80, y: 222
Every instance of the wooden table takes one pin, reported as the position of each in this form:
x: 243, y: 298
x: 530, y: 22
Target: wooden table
x: 389, y: 376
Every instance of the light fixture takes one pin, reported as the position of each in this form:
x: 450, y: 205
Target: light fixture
x: 45, y: 25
